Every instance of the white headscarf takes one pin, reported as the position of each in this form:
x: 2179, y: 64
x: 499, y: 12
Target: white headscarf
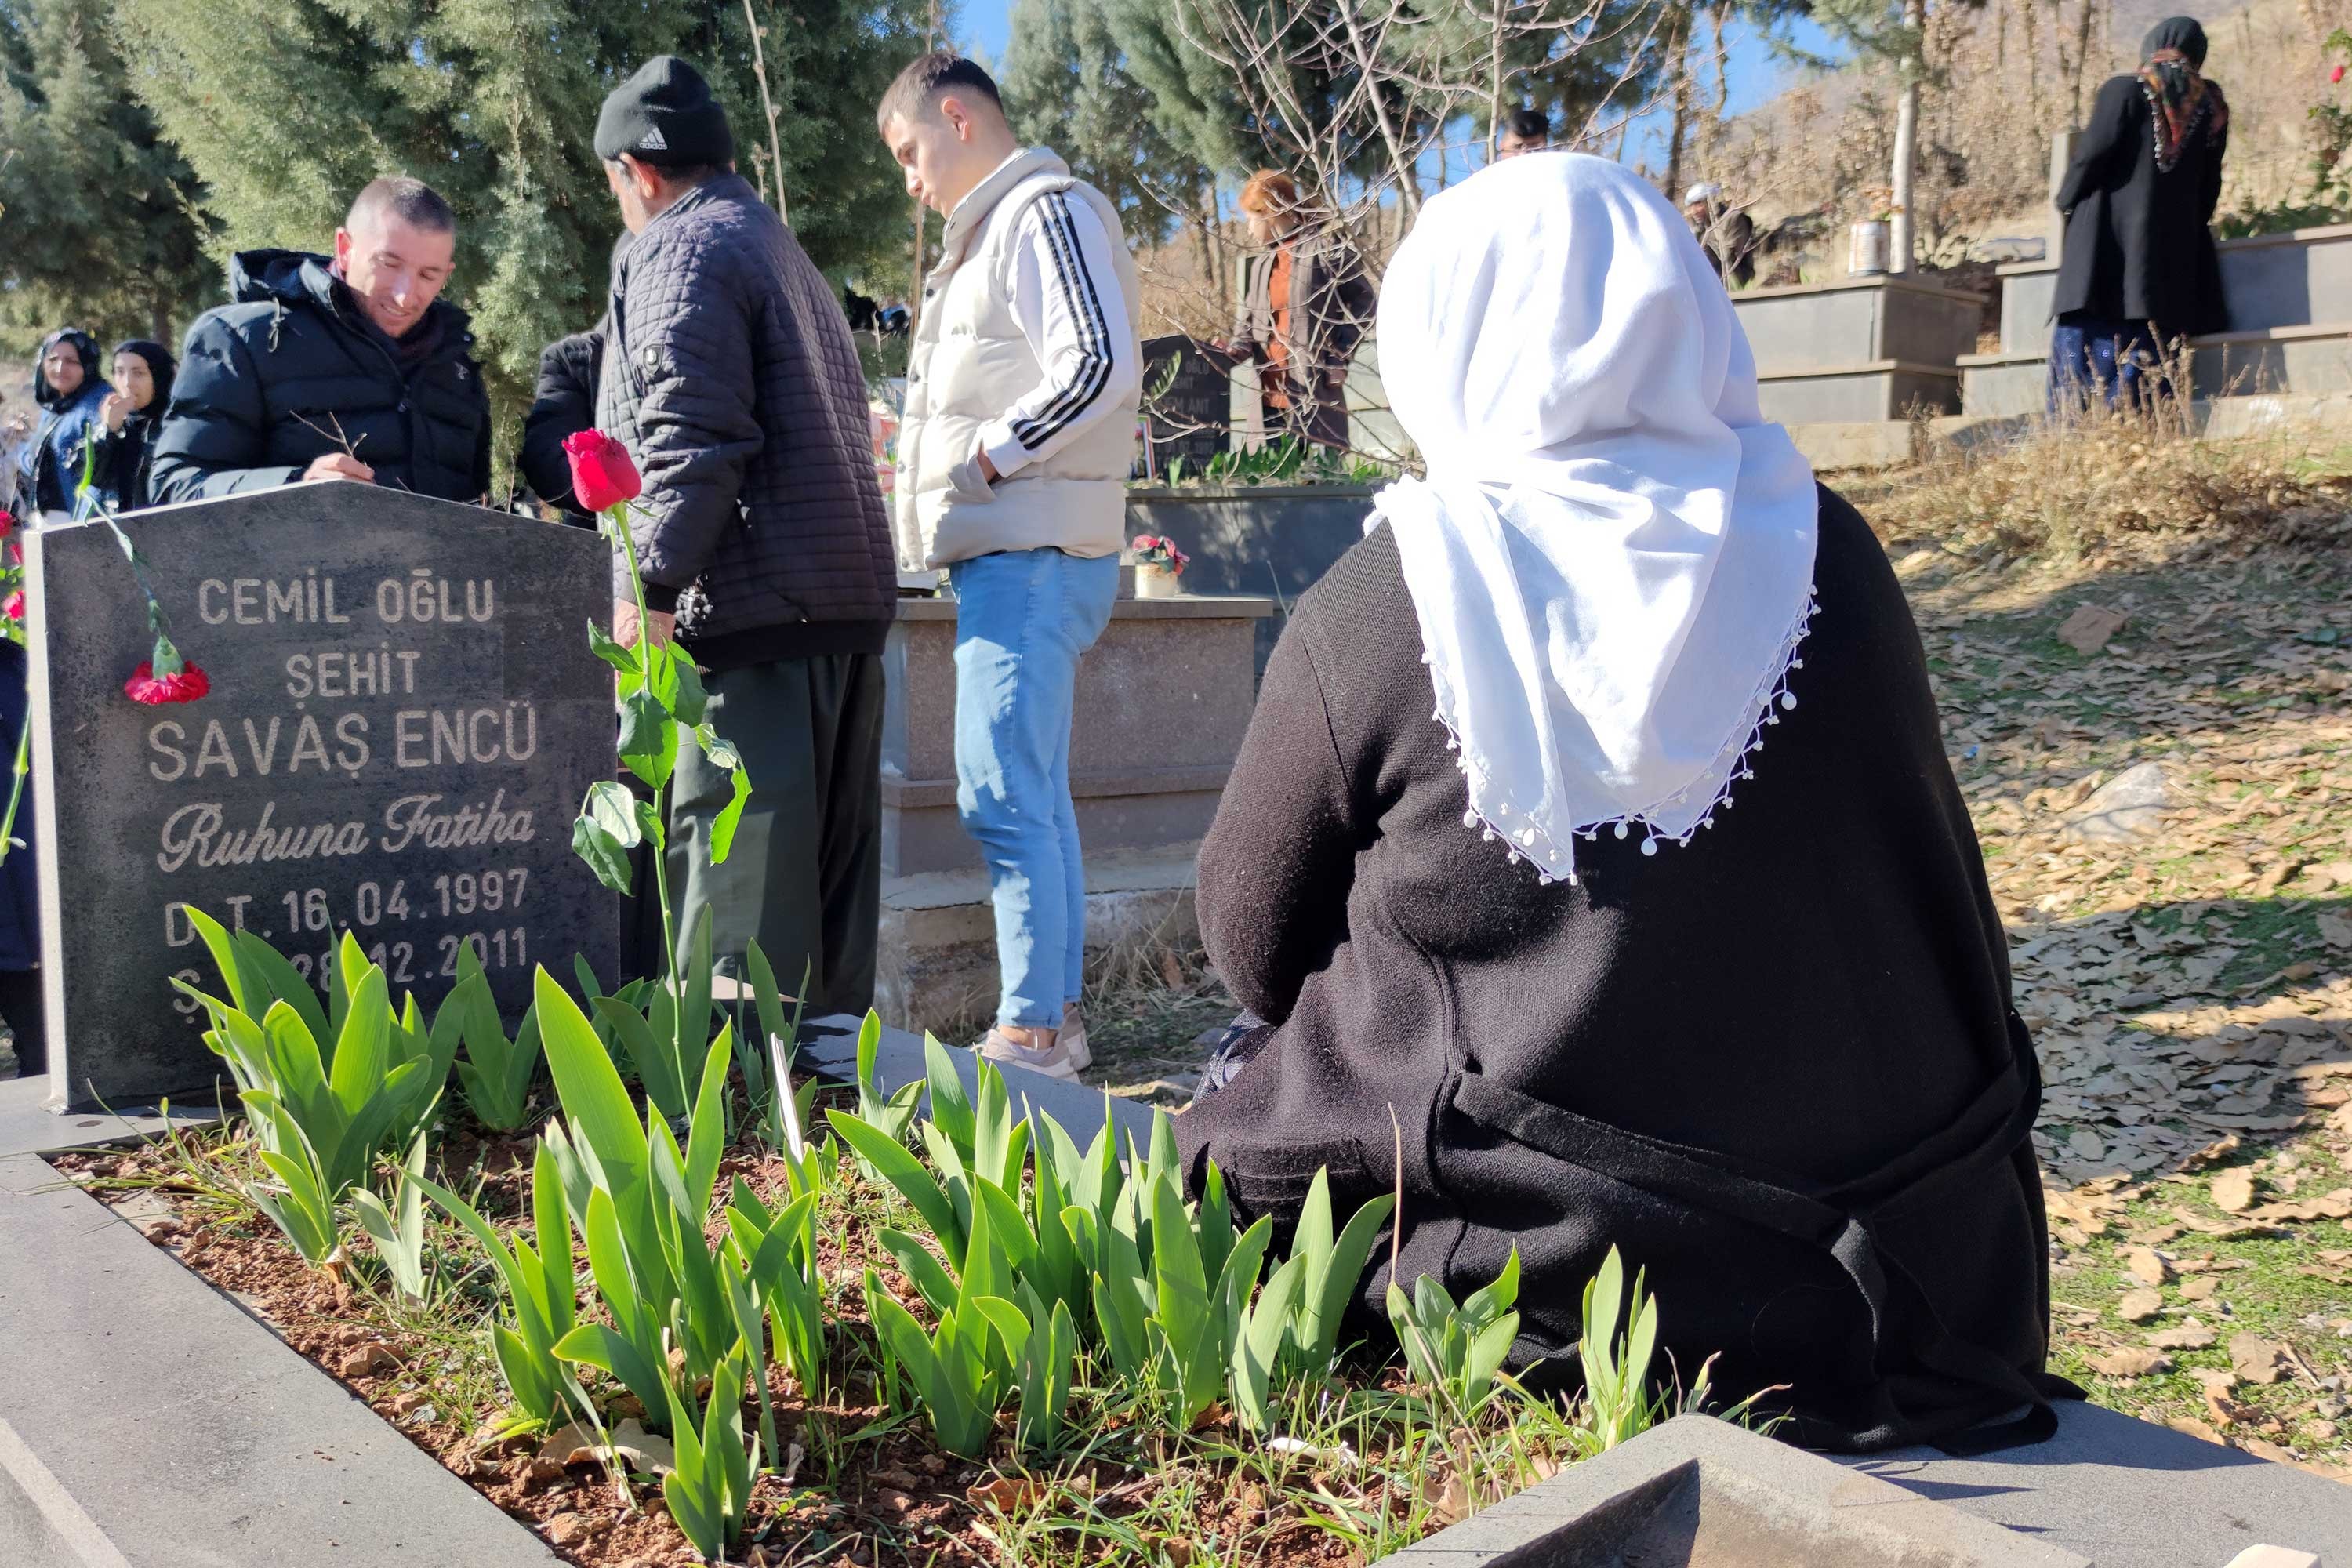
x: 1611, y: 558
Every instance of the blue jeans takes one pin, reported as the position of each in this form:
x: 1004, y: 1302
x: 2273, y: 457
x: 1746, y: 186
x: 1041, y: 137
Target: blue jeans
x: 1022, y: 618
x: 2111, y: 362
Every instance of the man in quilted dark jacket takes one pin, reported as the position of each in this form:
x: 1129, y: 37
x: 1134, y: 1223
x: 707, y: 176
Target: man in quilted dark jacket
x: 730, y: 373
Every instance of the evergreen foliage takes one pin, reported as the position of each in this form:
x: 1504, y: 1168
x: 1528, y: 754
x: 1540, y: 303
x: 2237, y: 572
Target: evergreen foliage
x: 1066, y: 85
x: 99, y: 219
x: 288, y: 107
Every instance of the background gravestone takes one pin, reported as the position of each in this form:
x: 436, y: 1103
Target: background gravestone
x: 1188, y: 418
x: 404, y: 717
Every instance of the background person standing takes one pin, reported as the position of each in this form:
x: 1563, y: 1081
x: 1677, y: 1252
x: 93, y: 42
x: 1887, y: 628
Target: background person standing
x: 68, y: 392
x: 1305, y: 304
x: 1727, y: 237
x: 730, y: 374
x: 1022, y: 390
x: 1524, y: 131
x: 132, y: 415
x: 2138, y: 268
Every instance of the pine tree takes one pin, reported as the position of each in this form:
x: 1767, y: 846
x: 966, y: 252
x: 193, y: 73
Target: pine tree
x: 1066, y: 85
x: 288, y: 107
x: 99, y: 225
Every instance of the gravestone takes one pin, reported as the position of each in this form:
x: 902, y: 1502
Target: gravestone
x: 404, y: 716
x: 1189, y: 410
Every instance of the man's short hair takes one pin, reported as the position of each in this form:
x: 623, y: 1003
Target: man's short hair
x: 927, y: 79
x: 413, y: 202
x: 1530, y: 125
x: 1269, y: 191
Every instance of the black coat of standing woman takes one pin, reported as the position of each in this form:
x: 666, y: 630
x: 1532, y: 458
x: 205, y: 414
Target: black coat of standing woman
x: 130, y: 418
x: 1477, y: 861
x: 2138, y: 263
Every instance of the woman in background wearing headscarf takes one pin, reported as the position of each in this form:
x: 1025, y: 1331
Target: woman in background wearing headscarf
x: 68, y: 391
x: 2137, y: 269
x: 131, y: 416
x: 1479, y: 861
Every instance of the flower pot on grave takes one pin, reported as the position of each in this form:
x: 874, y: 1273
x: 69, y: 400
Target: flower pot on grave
x: 1154, y: 582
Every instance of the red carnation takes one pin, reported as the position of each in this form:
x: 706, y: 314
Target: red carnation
x: 602, y: 477
x: 14, y: 605
x: 7, y: 523
x: 184, y: 686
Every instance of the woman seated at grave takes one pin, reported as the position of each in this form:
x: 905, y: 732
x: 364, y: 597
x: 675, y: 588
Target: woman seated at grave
x: 1593, y: 849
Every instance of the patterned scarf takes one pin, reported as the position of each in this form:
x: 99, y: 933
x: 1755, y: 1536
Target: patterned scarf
x: 2182, y: 103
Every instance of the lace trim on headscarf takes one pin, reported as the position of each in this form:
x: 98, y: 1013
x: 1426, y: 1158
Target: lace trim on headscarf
x: 1554, y: 861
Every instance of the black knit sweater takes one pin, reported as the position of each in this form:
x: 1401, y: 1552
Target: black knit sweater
x: 1777, y: 1065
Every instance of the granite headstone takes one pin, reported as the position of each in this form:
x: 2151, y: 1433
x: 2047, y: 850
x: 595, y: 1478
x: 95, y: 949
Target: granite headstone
x: 404, y: 716
x: 1187, y: 409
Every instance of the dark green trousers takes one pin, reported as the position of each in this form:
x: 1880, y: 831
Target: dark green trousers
x: 804, y: 874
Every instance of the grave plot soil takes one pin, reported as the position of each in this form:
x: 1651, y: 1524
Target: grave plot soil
x: 855, y: 1487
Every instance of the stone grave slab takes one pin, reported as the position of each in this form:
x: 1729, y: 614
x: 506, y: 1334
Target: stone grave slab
x: 2108, y: 1490
x: 1696, y: 1491
x: 402, y: 718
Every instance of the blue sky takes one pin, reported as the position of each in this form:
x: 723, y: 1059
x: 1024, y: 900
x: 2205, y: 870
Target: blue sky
x: 1757, y: 72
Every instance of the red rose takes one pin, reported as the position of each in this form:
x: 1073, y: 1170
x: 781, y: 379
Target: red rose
x: 602, y: 475
x: 146, y: 686
x: 7, y: 523
x: 14, y: 605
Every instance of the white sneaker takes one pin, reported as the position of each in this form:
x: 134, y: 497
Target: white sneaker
x: 1053, y: 1060
x: 1073, y: 1037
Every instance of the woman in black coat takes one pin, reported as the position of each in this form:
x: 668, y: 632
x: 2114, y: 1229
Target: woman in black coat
x: 2137, y: 269
x: 1478, y: 861
x: 131, y: 417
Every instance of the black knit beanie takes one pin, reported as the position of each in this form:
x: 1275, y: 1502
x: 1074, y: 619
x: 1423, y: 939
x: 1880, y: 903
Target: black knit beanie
x: 665, y: 116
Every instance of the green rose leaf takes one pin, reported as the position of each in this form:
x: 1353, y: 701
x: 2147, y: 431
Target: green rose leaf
x: 691, y: 699
x: 624, y: 659
x: 649, y: 744
x: 722, y: 754
x: 606, y: 831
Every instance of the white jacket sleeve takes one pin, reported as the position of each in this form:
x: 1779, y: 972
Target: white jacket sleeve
x: 1065, y: 295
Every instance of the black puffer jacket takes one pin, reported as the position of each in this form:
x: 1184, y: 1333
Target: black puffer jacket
x: 730, y: 374
x: 294, y: 370
x: 564, y: 405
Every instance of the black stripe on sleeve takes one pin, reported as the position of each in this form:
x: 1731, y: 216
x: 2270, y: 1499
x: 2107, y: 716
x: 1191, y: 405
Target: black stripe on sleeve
x: 1085, y: 305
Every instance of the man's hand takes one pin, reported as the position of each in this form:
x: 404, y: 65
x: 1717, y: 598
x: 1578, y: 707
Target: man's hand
x: 19, y: 424
x: 987, y: 468
x: 114, y: 411
x: 339, y: 466
x: 627, y: 627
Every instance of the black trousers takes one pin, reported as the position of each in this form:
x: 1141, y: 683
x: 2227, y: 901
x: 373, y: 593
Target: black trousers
x: 805, y: 874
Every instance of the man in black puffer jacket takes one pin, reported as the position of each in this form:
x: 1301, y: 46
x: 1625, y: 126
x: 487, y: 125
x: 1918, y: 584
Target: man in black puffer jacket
x: 731, y: 375
x: 349, y: 367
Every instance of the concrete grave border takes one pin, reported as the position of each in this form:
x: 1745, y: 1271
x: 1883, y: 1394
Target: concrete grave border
x: 147, y: 1421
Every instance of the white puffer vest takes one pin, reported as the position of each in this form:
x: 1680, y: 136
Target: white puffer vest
x: 970, y: 363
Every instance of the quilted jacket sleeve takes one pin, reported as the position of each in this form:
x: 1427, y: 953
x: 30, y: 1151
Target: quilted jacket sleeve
x: 686, y: 341
x: 215, y: 433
